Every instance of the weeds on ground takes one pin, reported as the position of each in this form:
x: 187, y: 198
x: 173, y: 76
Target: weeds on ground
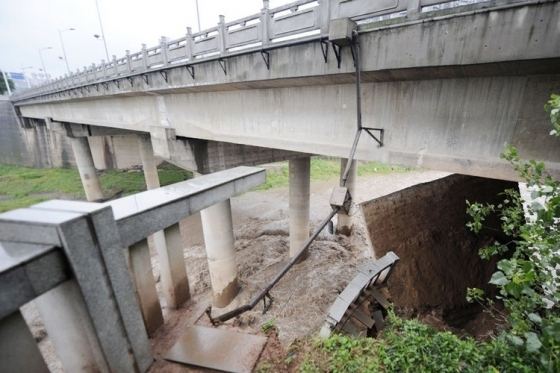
x: 410, y: 346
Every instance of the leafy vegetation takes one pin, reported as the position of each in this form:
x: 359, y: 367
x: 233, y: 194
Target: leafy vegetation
x: 22, y: 186
x: 3, y: 89
x: 326, y: 169
x: 410, y: 346
x: 528, y: 281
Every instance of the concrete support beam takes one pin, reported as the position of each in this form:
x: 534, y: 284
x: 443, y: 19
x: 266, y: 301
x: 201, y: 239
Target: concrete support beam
x: 299, y: 203
x: 18, y: 349
x: 174, y: 279
x: 88, y: 174
x: 345, y: 222
x: 65, y: 317
x: 219, y: 241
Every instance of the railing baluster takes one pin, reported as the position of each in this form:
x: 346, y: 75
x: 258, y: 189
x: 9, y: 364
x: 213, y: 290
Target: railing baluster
x: 265, y: 23
x: 222, y: 35
x: 143, y: 279
x: 18, y: 349
x: 65, y: 317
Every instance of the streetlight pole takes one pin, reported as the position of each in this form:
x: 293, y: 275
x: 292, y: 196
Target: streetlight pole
x: 43, y: 62
x: 198, y: 16
x: 25, y: 75
x: 64, y: 50
x: 102, y: 32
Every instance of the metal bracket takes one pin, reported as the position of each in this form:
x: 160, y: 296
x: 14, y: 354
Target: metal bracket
x: 190, y: 69
x: 338, y: 53
x: 164, y: 74
x: 214, y: 321
x: 223, y: 65
x: 266, y: 57
x: 117, y: 84
x: 266, y: 307
x: 381, y: 134
x: 325, y: 49
x: 130, y: 80
x: 105, y: 85
x: 82, y: 90
x: 87, y: 87
x: 145, y: 77
x: 96, y: 87
x: 353, y: 53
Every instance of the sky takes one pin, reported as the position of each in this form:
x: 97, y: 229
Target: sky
x: 29, y: 25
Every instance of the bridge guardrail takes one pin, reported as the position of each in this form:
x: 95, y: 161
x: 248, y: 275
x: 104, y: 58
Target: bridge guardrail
x: 295, y: 20
x: 87, y: 267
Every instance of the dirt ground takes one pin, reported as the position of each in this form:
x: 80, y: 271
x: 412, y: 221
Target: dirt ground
x: 301, y: 299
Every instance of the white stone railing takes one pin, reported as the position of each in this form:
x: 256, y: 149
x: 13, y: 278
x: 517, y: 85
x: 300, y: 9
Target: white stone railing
x: 87, y: 268
x: 298, y: 20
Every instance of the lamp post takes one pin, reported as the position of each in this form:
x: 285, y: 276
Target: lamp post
x: 198, y: 15
x: 43, y: 62
x: 64, y: 50
x: 25, y: 75
x: 102, y: 32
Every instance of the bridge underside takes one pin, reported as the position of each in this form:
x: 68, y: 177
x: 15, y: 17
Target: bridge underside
x: 457, y: 125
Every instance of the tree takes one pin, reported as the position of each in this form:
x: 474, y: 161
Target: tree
x: 529, y: 281
x: 3, y: 89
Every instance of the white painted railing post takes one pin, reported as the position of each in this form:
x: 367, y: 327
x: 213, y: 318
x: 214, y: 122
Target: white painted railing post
x: 163, y: 51
x: 413, y: 9
x: 265, y: 23
x: 104, y: 68
x: 115, y: 66
x: 189, y: 45
x: 93, y: 69
x: 222, y: 35
x: 145, y: 57
x: 324, y: 16
x: 86, y: 75
x: 128, y: 63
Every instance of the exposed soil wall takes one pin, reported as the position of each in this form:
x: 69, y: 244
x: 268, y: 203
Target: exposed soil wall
x: 425, y: 226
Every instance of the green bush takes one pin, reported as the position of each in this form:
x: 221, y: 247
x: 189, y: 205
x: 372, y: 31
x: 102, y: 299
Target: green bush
x: 529, y: 281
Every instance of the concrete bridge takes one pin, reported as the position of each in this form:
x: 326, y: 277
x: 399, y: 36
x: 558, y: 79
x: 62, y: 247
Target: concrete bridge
x: 447, y: 88
x: 439, y: 88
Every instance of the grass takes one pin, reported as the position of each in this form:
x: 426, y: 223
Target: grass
x: 326, y: 169
x: 410, y: 346
x: 23, y: 187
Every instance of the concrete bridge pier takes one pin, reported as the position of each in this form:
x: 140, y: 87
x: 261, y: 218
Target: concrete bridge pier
x: 167, y: 244
x: 345, y: 222
x: 217, y: 226
x: 88, y: 174
x: 299, y: 204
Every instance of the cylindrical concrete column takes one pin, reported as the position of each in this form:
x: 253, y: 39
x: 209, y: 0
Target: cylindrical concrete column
x: 345, y: 223
x: 148, y: 162
x: 64, y: 313
x: 88, y: 174
x: 299, y: 203
x: 174, y: 280
x: 217, y: 226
